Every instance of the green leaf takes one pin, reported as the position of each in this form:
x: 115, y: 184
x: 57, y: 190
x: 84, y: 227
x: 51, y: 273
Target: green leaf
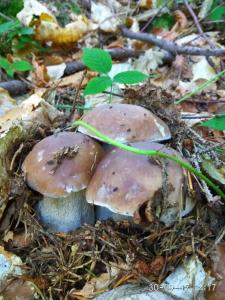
x: 130, y: 77
x: 164, y: 21
x: 217, y: 123
x: 75, y: 8
x: 22, y: 66
x: 10, y: 71
x: 26, y: 31
x: 97, y: 60
x: 5, y: 27
x: 97, y: 85
x: 4, y: 63
x: 218, y: 13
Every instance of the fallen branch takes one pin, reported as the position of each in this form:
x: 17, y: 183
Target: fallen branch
x: 15, y: 87
x: 202, y: 33
x: 169, y: 46
x: 19, y: 87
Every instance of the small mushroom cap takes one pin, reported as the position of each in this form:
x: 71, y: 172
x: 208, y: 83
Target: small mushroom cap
x: 124, y: 182
x: 62, y: 163
x: 126, y: 123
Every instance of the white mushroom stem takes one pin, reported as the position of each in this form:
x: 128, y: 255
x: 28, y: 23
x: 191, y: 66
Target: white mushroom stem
x: 66, y: 213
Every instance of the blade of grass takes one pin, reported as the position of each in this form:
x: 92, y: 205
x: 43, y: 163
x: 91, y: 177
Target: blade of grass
x: 201, y: 87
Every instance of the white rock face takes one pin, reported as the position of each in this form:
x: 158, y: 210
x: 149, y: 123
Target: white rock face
x: 9, y: 264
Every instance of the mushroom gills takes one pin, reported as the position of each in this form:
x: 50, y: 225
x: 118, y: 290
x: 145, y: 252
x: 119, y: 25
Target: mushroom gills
x: 65, y: 213
x: 103, y: 213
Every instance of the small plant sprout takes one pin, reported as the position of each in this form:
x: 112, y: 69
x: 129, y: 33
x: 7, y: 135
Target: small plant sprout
x: 17, y: 66
x: 100, y: 61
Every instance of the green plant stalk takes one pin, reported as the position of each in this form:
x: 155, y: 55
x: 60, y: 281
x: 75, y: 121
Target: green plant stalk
x: 201, y: 87
x: 184, y: 164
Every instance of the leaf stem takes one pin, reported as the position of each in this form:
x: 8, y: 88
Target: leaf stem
x: 184, y: 164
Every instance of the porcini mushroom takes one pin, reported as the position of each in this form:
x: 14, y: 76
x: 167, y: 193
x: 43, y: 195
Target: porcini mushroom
x: 60, y: 167
x: 126, y: 123
x: 141, y: 187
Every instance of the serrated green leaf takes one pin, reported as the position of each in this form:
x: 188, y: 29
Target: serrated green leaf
x: 130, y: 77
x: 22, y: 66
x: 4, y: 63
x: 97, y: 60
x: 217, y: 123
x: 97, y: 85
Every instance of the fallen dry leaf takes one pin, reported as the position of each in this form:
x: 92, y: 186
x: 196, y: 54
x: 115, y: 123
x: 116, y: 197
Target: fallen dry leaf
x: 75, y: 79
x: 51, y: 33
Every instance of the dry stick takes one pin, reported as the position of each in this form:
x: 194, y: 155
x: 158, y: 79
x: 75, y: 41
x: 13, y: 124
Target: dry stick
x: 18, y: 87
x: 77, y: 94
x: 171, y: 47
x: 182, y: 163
x: 199, y: 28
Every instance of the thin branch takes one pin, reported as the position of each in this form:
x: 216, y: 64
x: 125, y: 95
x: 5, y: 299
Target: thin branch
x: 18, y: 87
x: 200, y: 30
x: 197, y: 24
x: 15, y: 87
x: 5, y: 17
x: 76, y: 95
x: 169, y: 46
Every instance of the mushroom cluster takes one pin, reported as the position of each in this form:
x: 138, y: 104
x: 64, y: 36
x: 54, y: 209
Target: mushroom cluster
x: 73, y: 173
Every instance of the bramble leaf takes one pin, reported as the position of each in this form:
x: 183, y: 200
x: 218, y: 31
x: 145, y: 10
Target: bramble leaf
x: 130, y: 77
x: 97, y: 60
x: 97, y: 85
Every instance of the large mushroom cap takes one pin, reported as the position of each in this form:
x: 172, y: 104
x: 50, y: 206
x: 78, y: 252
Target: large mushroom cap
x: 62, y: 163
x: 124, y: 182
x: 126, y: 123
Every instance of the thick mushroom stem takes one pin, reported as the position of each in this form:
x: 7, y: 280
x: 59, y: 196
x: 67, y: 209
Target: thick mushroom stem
x: 66, y: 213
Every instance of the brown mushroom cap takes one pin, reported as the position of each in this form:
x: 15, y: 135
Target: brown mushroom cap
x: 73, y: 171
x: 123, y: 182
x: 126, y: 123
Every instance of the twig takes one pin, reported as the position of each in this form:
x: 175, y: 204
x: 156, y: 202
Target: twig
x: 5, y: 17
x: 18, y: 87
x: 15, y: 87
x: 199, y: 28
x: 76, y: 95
x: 169, y: 46
x: 195, y: 19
